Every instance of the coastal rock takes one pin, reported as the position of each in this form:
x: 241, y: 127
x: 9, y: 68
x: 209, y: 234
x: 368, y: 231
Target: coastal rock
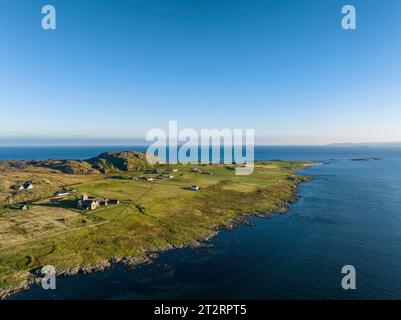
x: 4, y: 293
x: 264, y: 214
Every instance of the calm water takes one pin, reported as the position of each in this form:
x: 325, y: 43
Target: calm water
x: 349, y: 214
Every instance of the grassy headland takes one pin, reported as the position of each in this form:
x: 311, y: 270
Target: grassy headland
x: 151, y: 215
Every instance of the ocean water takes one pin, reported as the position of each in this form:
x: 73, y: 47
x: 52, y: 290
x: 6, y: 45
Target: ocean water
x: 349, y: 214
x: 44, y: 153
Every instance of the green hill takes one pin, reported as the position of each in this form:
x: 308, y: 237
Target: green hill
x: 121, y: 161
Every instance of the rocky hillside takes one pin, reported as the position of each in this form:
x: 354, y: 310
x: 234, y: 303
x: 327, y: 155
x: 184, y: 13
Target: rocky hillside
x: 121, y: 161
x: 104, y: 163
x: 66, y: 166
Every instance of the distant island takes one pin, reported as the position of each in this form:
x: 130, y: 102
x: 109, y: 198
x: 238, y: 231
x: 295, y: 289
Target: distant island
x: 366, y: 159
x: 84, y: 216
x: 367, y: 144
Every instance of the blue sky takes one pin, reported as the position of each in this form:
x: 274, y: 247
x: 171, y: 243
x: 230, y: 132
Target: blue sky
x: 115, y: 69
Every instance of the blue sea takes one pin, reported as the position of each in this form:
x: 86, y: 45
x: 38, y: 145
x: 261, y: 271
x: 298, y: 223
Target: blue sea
x: 349, y: 214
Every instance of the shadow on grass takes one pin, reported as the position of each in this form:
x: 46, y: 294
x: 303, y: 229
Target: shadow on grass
x: 58, y: 203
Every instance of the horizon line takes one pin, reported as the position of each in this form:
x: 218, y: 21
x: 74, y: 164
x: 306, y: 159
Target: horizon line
x: 338, y: 144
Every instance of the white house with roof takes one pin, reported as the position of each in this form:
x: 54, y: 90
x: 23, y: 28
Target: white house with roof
x: 26, y: 186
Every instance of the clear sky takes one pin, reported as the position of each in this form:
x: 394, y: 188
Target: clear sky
x: 115, y: 69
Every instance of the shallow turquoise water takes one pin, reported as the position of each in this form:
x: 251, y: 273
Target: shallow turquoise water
x: 349, y: 214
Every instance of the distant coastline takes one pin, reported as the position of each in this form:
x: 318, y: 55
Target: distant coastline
x: 396, y: 144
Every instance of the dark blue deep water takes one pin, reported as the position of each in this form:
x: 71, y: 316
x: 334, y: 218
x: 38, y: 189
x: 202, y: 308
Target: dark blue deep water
x: 349, y: 214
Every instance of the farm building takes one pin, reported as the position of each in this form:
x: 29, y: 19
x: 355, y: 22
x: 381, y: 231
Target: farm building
x: 23, y: 206
x: 26, y: 186
x: 62, y: 193
x: 92, y: 203
x: 88, y: 204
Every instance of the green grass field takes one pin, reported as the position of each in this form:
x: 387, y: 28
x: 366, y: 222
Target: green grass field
x: 150, y: 215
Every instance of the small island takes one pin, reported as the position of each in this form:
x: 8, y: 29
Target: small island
x: 84, y: 216
x: 366, y: 159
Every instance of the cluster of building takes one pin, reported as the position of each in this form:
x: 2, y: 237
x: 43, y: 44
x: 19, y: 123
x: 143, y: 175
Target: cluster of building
x: 92, y: 203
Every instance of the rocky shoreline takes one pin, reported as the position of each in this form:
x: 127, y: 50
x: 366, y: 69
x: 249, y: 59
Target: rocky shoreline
x: 35, y: 278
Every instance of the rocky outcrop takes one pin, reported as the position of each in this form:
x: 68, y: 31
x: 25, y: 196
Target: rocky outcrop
x: 123, y: 161
x: 35, y: 277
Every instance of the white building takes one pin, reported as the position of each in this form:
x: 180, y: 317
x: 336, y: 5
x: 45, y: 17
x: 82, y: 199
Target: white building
x: 26, y: 186
x: 61, y: 194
